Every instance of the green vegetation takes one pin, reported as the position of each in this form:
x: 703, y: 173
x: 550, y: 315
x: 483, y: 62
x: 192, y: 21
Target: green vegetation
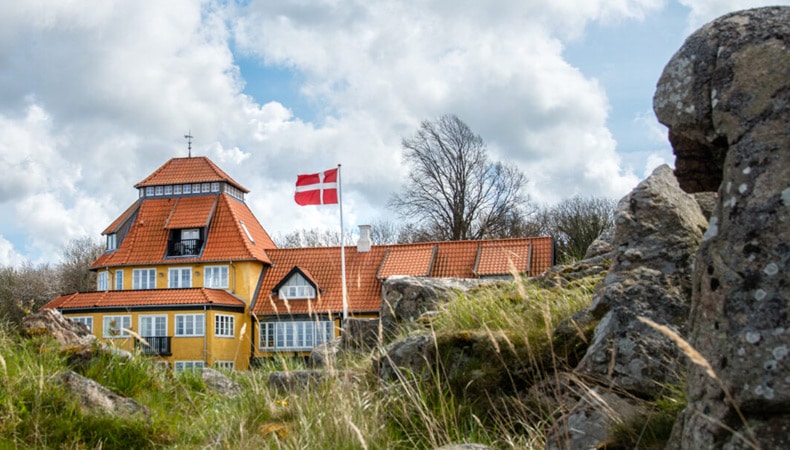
x: 513, y: 321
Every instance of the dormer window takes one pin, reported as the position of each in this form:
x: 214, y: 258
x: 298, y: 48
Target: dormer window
x: 297, y: 287
x: 185, y: 242
x: 112, y: 241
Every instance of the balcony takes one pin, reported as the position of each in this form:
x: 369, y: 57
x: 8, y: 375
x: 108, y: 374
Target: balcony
x: 157, y: 346
x: 184, y: 247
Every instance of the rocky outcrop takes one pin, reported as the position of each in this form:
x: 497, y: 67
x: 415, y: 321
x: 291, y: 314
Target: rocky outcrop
x: 219, y: 383
x: 93, y: 398
x: 725, y: 96
x: 405, y: 298
x: 658, y: 229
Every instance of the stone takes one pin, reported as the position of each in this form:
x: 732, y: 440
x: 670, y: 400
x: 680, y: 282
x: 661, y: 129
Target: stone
x: 93, y: 398
x: 464, y: 447
x: 410, y: 356
x: 603, y: 245
x: 324, y: 355
x: 219, y: 383
x: 727, y: 92
x: 405, y: 298
x: 360, y: 334
x: 658, y: 229
x: 51, y: 323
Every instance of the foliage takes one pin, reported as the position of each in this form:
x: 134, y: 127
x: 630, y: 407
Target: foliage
x: 74, y: 274
x: 576, y: 222
x: 454, y: 191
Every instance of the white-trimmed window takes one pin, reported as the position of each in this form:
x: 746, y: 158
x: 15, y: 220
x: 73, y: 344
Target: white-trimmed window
x: 177, y: 189
x: 168, y: 189
x: 215, y: 187
x: 119, y: 280
x: 297, y: 287
x: 149, y: 191
x: 85, y: 320
x: 101, y: 281
x: 190, y: 324
x: 205, y: 187
x: 227, y: 365
x: 116, y: 326
x: 153, y: 325
x: 224, y: 325
x: 181, y: 366
x: 196, y: 188
x: 159, y: 190
x: 143, y: 278
x: 187, y: 189
x: 295, y: 335
x: 180, y: 277
x: 112, y: 241
x: 215, y: 277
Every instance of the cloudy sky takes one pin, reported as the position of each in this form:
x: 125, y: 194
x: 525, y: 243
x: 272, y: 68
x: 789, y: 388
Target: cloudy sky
x: 95, y: 95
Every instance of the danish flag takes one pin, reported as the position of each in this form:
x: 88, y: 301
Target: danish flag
x: 317, y: 188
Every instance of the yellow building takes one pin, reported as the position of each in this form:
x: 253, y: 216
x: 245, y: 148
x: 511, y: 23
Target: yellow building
x: 190, y: 277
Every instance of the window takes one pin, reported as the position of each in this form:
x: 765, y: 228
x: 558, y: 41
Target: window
x: 159, y: 190
x: 297, y: 335
x: 190, y: 233
x: 119, y: 280
x: 227, y: 365
x: 112, y: 241
x: 215, y: 276
x: 223, y: 325
x: 189, y: 324
x: 143, y: 278
x: 297, y: 287
x: 215, y: 187
x: 85, y: 320
x: 177, y: 189
x: 205, y: 187
x: 196, y: 188
x: 187, y: 189
x: 116, y: 326
x: 101, y: 281
x: 181, y: 366
x: 153, y: 326
x: 180, y: 277
x: 149, y: 191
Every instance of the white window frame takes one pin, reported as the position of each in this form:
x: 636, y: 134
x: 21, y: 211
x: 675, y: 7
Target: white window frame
x: 102, y: 280
x: 85, y: 320
x: 205, y: 187
x: 187, y: 189
x: 119, y: 280
x: 122, y: 323
x: 295, y: 335
x: 159, y: 190
x: 297, y: 287
x: 190, y: 325
x: 112, y: 241
x: 162, y: 325
x: 180, y: 366
x: 179, y: 277
x: 196, y: 188
x: 224, y: 325
x: 169, y: 189
x: 215, y: 186
x: 177, y: 189
x: 149, y: 191
x: 226, y: 365
x: 143, y: 275
x: 215, y: 277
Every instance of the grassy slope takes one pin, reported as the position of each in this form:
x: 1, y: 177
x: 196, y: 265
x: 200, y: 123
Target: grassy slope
x: 36, y: 412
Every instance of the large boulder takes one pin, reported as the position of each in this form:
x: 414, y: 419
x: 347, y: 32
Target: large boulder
x: 67, y: 333
x: 725, y: 96
x: 95, y: 399
x: 658, y: 229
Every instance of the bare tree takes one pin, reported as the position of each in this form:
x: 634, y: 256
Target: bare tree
x: 454, y: 191
x: 313, y: 237
x: 74, y: 270
x: 24, y: 289
x: 576, y: 222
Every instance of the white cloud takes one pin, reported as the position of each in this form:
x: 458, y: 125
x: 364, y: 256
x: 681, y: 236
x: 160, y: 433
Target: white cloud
x: 703, y: 11
x: 8, y: 255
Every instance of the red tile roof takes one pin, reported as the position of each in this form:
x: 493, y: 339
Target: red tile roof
x: 323, y: 266
x: 364, y: 271
x: 146, y: 240
x: 197, y: 169
x: 146, y: 297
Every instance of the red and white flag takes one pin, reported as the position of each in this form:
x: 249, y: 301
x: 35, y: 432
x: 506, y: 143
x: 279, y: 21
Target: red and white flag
x: 317, y: 188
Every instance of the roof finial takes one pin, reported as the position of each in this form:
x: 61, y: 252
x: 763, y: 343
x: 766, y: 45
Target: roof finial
x: 189, y: 137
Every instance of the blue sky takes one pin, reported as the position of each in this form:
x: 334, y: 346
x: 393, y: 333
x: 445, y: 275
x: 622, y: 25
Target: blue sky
x: 96, y: 95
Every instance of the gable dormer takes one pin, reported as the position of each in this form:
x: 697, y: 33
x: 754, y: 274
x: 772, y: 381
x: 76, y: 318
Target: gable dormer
x: 297, y: 285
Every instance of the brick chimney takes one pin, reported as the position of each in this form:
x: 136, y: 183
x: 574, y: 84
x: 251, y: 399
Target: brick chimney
x: 363, y: 244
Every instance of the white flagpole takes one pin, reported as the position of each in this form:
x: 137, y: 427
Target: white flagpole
x: 342, y: 247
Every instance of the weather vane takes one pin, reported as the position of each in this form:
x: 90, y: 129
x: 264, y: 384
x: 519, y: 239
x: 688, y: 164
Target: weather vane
x: 189, y: 137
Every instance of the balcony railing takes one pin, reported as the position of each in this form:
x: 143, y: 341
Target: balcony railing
x: 157, y: 345
x: 184, y: 247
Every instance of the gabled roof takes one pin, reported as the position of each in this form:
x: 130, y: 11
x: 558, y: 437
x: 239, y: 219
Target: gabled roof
x: 144, y: 297
x: 198, y: 169
x: 365, y: 271
x: 323, y: 265
x: 146, y: 240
